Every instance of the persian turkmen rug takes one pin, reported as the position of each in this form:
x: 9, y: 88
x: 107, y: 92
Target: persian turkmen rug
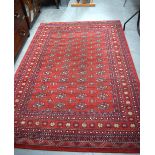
x: 77, y: 90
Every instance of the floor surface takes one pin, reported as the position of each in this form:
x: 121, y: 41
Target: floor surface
x: 104, y: 10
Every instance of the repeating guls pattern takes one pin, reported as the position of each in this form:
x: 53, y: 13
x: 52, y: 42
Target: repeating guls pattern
x: 77, y: 88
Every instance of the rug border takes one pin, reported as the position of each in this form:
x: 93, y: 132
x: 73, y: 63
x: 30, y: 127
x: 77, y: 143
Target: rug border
x: 131, y: 58
x: 81, y: 21
x: 73, y: 149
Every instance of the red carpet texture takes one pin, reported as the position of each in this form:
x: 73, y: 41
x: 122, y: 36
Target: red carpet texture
x: 77, y: 90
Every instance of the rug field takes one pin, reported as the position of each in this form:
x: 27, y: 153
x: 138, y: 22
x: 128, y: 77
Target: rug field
x: 77, y: 89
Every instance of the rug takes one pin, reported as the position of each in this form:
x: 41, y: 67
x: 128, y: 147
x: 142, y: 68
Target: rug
x: 77, y: 89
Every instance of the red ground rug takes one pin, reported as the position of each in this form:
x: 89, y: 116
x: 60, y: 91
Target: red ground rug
x: 77, y: 90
